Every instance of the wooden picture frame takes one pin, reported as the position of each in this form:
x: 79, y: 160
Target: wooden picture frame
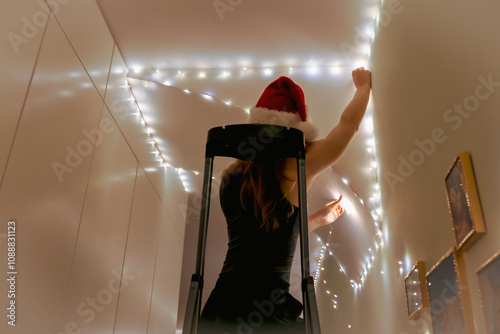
x: 449, y: 300
x: 417, y: 297
x: 463, y: 202
x: 488, y: 276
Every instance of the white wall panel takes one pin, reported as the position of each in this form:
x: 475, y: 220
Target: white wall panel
x: 19, y: 46
x: 176, y: 201
x: 47, y: 208
x: 164, y: 305
x: 89, y: 35
x: 140, y: 255
x: 422, y: 85
x: 92, y: 293
x: 87, y: 223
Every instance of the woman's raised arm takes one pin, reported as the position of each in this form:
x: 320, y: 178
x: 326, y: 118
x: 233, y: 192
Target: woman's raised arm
x: 322, y: 153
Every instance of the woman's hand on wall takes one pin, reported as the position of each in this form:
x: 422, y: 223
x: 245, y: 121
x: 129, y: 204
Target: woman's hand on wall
x: 362, y: 78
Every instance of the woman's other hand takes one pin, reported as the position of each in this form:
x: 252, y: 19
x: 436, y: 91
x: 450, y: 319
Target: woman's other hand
x: 327, y: 214
x: 331, y: 211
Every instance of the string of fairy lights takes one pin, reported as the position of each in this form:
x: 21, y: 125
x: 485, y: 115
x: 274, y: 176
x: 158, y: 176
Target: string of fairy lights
x: 183, y: 174
x: 374, y: 206
x: 169, y: 78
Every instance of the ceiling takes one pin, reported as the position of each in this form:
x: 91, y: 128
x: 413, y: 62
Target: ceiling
x: 198, y: 64
x: 235, y: 33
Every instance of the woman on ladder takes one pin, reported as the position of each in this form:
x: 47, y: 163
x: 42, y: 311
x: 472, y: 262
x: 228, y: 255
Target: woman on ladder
x: 259, y: 200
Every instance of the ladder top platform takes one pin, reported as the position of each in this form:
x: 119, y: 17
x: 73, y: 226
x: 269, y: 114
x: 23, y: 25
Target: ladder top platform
x: 252, y: 142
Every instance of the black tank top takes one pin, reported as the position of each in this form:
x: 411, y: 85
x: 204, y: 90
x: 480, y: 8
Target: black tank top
x: 253, y: 251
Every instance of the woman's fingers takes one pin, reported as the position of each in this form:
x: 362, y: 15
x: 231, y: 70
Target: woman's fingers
x: 361, y: 77
x: 334, y: 202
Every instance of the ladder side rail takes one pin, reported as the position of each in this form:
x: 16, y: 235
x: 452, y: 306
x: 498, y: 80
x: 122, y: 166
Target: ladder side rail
x: 204, y: 215
x: 195, y: 293
x: 311, y: 318
x: 190, y: 317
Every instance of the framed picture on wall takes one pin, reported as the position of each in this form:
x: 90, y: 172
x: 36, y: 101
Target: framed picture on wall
x: 463, y: 201
x: 446, y: 297
x: 417, y: 298
x: 488, y: 276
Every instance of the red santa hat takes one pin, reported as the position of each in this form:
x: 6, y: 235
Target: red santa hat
x: 282, y: 103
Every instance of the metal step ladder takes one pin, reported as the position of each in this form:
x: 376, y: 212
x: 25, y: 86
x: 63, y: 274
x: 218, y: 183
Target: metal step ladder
x: 253, y: 142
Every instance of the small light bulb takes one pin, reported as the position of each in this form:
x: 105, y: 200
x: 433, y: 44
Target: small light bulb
x: 207, y: 96
x: 335, y: 69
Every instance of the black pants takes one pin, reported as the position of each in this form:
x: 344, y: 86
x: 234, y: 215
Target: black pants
x: 243, y: 305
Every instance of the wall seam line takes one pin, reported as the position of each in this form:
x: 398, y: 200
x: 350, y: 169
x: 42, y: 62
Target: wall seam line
x: 23, y: 105
x: 126, y: 243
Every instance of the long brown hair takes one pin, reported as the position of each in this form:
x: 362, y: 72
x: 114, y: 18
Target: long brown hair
x: 261, y: 190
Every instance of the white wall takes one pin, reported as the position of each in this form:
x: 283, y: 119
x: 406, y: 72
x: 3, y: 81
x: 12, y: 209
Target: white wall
x: 426, y: 57
x: 93, y: 213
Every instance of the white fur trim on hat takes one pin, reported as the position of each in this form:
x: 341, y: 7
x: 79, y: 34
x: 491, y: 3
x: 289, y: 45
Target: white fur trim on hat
x: 292, y: 120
